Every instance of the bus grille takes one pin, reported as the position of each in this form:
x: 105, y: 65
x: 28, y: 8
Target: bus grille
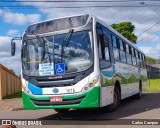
x: 64, y: 102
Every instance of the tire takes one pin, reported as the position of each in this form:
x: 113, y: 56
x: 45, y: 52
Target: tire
x: 116, y: 102
x: 139, y: 94
x: 62, y: 110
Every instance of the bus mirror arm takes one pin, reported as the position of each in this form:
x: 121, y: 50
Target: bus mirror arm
x: 13, y: 45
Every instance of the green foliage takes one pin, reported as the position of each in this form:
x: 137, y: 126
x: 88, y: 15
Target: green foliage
x: 158, y: 60
x: 126, y: 29
x: 150, y: 60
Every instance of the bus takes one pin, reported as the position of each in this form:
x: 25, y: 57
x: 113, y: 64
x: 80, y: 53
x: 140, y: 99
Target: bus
x: 78, y: 62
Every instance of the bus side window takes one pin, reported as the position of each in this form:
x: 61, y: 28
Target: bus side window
x: 103, y: 42
x: 116, y: 45
x: 99, y: 50
x: 133, y: 57
x: 143, y: 61
x: 123, y: 53
x: 107, y: 57
x: 99, y: 45
x: 104, y: 47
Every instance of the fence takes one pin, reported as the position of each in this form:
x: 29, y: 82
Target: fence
x: 9, y: 82
x: 153, y: 72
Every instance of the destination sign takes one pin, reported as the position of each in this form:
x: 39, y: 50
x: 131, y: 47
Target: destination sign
x: 57, y: 25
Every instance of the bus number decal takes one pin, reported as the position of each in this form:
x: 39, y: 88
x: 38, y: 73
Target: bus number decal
x: 70, y: 90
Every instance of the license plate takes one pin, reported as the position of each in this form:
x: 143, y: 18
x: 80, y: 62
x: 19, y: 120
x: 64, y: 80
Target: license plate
x: 56, y: 99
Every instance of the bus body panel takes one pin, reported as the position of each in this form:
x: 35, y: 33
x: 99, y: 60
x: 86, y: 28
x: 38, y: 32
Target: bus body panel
x: 107, y: 95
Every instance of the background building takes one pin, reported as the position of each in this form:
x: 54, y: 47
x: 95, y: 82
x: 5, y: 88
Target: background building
x: 153, y: 71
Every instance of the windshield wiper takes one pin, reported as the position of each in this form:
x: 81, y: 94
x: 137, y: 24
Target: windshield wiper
x: 65, y: 42
x: 42, y: 44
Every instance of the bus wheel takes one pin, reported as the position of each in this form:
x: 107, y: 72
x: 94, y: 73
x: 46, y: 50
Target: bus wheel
x: 62, y: 110
x: 116, y: 100
x: 139, y: 94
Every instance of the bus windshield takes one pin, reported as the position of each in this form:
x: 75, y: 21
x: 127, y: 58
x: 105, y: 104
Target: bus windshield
x: 40, y: 60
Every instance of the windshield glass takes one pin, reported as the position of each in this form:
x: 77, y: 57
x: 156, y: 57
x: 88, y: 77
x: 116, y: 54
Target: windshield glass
x: 42, y: 60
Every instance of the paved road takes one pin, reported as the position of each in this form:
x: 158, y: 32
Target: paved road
x: 146, y: 108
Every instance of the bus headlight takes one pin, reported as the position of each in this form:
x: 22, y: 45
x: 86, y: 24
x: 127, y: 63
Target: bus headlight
x: 90, y: 84
x: 25, y: 89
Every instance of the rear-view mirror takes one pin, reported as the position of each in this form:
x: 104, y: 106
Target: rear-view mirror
x: 13, y: 45
x: 13, y: 48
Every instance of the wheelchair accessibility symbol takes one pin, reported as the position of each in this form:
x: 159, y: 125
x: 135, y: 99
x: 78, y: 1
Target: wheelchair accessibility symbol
x: 60, y: 68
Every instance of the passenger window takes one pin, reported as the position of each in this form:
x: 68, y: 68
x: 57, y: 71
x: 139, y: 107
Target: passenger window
x: 106, y: 50
x: 115, y: 48
x: 114, y: 41
x: 129, y: 54
x: 121, y: 44
x: 99, y: 49
x: 138, y: 62
x: 103, y: 47
x: 136, y: 54
x: 124, y: 46
x: 140, y: 56
x: 123, y: 56
x: 140, y: 59
x: 116, y: 53
x: 144, y: 62
x: 127, y: 48
x: 122, y: 52
x: 130, y: 50
x: 129, y: 60
x: 134, y: 60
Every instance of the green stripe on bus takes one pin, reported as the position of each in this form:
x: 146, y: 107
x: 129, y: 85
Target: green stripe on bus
x: 91, y: 100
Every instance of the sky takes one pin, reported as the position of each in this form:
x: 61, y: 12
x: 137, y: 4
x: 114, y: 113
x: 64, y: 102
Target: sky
x: 13, y: 22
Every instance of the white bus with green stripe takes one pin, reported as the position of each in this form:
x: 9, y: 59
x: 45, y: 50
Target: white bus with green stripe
x: 78, y: 62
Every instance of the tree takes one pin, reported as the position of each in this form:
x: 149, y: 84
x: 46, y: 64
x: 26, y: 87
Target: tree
x: 126, y: 29
x: 150, y: 60
x: 158, y: 60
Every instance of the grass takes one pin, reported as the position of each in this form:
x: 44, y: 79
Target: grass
x: 154, y: 85
x: 17, y: 95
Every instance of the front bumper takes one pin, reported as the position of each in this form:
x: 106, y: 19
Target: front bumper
x: 90, y: 99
